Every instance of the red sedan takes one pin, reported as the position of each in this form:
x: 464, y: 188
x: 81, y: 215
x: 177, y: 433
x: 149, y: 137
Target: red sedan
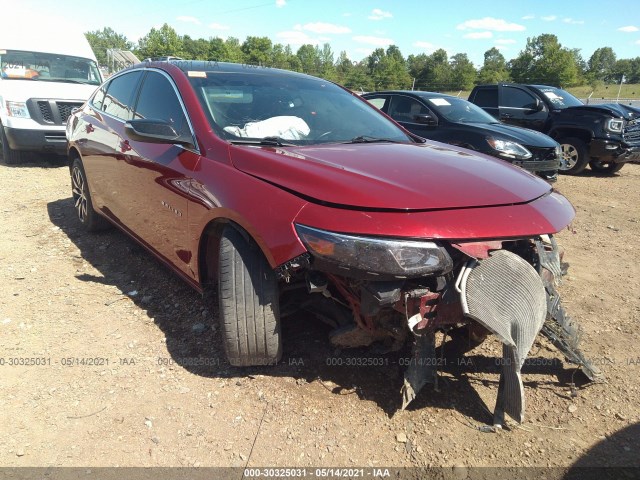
x: 287, y: 190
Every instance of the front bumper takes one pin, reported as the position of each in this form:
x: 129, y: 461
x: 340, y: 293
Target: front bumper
x: 52, y: 141
x: 613, y: 152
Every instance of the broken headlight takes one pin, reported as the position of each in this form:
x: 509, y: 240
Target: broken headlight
x: 374, y: 257
x: 509, y: 149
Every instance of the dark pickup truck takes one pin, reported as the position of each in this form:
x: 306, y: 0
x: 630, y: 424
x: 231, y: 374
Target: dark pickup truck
x: 602, y: 136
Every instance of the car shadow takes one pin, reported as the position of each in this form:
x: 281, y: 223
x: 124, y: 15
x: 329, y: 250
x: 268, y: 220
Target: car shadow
x: 189, y: 323
x: 613, y: 458
x: 38, y: 159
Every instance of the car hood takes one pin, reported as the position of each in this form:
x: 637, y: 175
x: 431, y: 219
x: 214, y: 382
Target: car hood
x: 614, y: 109
x: 380, y: 176
x: 520, y: 135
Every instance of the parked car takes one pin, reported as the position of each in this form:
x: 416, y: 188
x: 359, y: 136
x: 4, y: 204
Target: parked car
x: 604, y: 136
x: 41, y: 82
x: 289, y: 191
x: 458, y: 122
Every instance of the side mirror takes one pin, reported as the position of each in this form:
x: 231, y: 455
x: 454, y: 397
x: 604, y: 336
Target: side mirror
x: 156, y: 131
x: 538, y: 106
x: 425, y: 119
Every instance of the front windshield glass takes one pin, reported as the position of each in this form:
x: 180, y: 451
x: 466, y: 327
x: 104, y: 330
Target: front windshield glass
x: 47, y: 67
x: 259, y: 105
x: 458, y: 110
x: 559, y: 98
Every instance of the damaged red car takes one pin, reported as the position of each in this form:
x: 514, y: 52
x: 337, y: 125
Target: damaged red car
x: 284, y: 190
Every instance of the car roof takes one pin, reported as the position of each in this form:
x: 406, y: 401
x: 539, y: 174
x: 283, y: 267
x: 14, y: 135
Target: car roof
x: 413, y: 93
x: 225, y: 67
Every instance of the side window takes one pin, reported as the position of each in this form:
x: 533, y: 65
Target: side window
x: 486, y: 97
x: 119, y: 97
x: 98, y: 98
x: 158, y: 101
x: 516, y: 98
x: 377, y: 102
x: 405, y: 109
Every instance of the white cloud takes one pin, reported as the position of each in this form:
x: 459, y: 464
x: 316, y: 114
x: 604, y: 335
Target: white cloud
x: 629, y: 28
x: 549, y: 18
x: 572, y: 21
x: 371, y: 40
x: 347, y: 14
x: 637, y: 42
x: 296, y: 38
x: 477, y: 35
x: 218, y: 26
x: 377, y: 14
x: 528, y: 17
x: 320, y: 27
x: 490, y: 23
x: 502, y: 47
x: 504, y: 41
x: 187, y: 19
x: 280, y: 3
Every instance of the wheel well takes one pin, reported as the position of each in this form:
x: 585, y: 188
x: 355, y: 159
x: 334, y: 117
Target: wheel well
x: 210, y: 245
x: 72, y: 155
x: 583, y: 135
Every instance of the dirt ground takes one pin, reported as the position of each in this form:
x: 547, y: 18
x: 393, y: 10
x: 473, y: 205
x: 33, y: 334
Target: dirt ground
x: 108, y: 359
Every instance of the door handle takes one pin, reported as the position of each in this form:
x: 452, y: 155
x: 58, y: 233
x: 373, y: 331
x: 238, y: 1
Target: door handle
x: 506, y: 115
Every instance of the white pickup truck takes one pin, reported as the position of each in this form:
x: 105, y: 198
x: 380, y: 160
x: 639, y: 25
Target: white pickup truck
x: 44, y: 75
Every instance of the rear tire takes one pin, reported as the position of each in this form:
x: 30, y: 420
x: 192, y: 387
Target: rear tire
x: 574, y: 156
x: 249, y: 303
x: 91, y: 221
x: 9, y: 155
x: 606, y: 168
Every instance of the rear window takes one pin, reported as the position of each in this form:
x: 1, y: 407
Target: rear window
x: 486, y: 97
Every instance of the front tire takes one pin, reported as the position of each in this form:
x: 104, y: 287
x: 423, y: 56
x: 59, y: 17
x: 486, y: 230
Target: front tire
x: 9, y: 155
x: 249, y: 303
x: 91, y: 221
x: 574, y: 156
x: 606, y: 168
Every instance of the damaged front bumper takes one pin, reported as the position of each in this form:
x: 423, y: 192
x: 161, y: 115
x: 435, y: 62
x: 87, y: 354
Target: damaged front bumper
x: 513, y: 299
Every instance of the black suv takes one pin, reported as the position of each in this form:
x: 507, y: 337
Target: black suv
x: 603, y: 136
x: 458, y: 122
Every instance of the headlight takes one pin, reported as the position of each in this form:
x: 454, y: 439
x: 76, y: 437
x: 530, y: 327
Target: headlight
x: 509, y: 149
x: 374, y: 257
x: 614, y: 125
x: 17, y: 109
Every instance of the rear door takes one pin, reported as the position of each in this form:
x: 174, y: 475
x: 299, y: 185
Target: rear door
x: 519, y: 106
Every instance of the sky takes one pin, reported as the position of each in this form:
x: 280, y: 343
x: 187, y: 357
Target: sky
x: 358, y: 27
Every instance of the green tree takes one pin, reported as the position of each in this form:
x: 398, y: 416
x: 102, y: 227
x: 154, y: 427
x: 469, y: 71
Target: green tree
x: 217, y: 50
x: 463, y: 73
x: 327, y: 67
x: 257, y: 50
x: 102, y: 40
x: 494, y: 68
x: 233, y: 50
x: 161, y: 42
x: 545, y: 60
x: 602, y: 65
x: 195, y: 49
x: 309, y: 59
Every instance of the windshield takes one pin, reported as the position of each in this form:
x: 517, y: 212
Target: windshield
x: 49, y: 67
x: 458, y: 110
x: 289, y: 109
x: 559, y: 98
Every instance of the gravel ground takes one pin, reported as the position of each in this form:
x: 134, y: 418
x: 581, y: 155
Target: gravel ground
x: 125, y: 366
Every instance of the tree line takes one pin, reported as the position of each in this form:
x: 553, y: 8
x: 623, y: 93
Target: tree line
x: 543, y: 60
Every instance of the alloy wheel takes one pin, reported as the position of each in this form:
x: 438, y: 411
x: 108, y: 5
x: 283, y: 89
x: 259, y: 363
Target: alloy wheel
x: 570, y: 157
x: 78, y: 189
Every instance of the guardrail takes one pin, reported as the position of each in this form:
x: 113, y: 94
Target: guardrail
x: 634, y: 102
